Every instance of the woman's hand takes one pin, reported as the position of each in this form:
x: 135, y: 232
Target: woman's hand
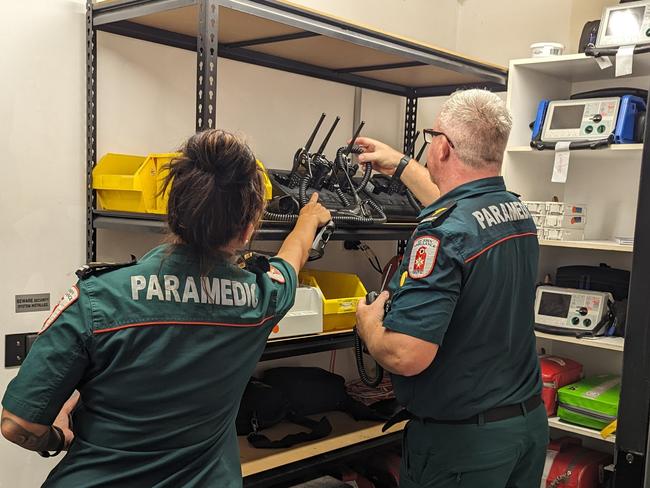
x: 63, y: 422
x: 315, y: 211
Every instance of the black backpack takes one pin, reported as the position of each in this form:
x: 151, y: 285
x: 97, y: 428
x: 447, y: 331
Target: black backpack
x: 290, y: 394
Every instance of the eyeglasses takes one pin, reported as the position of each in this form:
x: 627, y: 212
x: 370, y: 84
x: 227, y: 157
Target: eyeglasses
x: 429, y: 134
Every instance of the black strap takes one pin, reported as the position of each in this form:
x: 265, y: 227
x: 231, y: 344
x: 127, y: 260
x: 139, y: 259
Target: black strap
x: 93, y: 268
x: 60, y: 446
x: 395, y: 180
x: 493, y: 415
x: 317, y: 430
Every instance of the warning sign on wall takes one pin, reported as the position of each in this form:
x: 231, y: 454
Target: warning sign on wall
x: 37, y: 302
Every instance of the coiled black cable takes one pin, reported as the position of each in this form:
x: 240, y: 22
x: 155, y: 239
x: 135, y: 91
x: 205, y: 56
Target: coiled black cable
x: 278, y: 217
x: 361, y: 365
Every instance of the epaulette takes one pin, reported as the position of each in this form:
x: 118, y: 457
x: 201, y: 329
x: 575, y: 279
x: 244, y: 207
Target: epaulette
x: 254, y: 262
x: 94, y: 268
x: 438, y: 216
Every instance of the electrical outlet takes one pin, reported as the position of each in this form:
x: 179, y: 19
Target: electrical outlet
x: 17, y: 346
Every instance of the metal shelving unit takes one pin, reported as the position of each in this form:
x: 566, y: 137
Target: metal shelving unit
x: 279, y: 35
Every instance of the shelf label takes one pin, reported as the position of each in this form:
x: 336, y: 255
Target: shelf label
x: 37, y: 302
x: 624, y: 57
x: 561, y: 165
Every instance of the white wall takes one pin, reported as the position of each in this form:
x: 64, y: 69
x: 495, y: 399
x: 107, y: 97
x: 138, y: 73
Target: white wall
x: 42, y: 197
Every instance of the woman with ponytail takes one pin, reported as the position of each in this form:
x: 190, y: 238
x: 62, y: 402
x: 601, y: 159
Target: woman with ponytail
x: 160, y: 350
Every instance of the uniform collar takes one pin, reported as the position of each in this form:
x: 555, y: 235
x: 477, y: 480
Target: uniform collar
x: 476, y: 187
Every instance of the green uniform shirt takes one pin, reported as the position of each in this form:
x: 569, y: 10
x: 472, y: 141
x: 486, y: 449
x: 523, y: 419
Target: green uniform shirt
x: 161, y: 356
x: 467, y: 283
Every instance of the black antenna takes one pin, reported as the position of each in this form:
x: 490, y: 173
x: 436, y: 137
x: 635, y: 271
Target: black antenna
x: 327, y: 137
x: 421, y: 151
x: 354, y: 137
x: 409, y: 149
x: 310, y: 141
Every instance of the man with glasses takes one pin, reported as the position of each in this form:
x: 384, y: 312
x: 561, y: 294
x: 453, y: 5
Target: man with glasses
x: 459, y: 335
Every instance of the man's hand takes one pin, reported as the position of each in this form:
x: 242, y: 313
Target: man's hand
x: 63, y: 420
x: 315, y: 211
x: 383, y: 157
x: 370, y: 316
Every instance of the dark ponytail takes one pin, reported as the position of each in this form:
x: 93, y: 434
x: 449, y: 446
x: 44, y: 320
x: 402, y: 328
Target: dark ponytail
x: 215, y: 192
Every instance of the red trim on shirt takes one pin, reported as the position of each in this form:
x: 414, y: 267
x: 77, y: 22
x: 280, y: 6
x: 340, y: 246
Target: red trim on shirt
x: 143, y: 324
x: 507, y: 238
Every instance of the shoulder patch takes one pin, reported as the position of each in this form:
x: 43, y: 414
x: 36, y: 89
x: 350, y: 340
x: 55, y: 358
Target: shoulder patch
x: 438, y: 215
x: 68, y: 298
x: 275, y: 275
x: 424, y: 254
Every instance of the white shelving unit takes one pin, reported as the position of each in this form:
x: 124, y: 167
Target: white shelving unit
x: 605, y: 180
x: 556, y: 423
x: 608, y: 343
x: 593, y: 245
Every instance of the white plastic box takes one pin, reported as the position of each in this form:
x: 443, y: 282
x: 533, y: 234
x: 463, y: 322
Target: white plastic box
x: 561, y: 208
x: 305, y: 317
x: 564, y: 234
x: 536, y: 208
x: 565, y: 221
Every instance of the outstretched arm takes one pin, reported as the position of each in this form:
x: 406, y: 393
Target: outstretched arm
x: 385, y: 160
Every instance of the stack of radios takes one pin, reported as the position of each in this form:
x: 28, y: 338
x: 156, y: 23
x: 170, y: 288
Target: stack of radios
x: 559, y: 221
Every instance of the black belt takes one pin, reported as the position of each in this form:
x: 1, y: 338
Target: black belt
x: 493, y: 415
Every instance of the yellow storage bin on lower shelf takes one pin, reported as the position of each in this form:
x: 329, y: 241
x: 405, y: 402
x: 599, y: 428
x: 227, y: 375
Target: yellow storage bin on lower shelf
x: 341, y: 293
x: 129, y: 183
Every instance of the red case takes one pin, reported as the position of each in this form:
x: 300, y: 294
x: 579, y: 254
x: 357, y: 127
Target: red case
x: 556, y: 373
x: 568, y: 465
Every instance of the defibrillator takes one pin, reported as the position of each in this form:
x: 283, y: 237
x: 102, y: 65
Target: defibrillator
x: 591, y: 120
x: 570, y: 311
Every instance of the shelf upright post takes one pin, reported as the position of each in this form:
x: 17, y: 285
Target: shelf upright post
x: 206, y: 65
x: 632, y: 434
x: 410, y: 121
x: 410, y: 124
x: 91, y: 129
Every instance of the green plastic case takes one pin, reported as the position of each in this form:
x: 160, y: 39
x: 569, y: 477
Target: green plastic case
x: 592, y: 402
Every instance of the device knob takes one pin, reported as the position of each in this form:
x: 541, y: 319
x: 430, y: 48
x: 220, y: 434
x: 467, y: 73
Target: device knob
x: 589, y: 129
x: 586, y: 322
x: 583, y: 311
x: 575, y: 320
x: 597, y: 118
x: 601, y: 129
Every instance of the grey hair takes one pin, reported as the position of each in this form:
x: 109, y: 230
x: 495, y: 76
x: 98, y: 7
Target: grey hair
x: 478, y: 124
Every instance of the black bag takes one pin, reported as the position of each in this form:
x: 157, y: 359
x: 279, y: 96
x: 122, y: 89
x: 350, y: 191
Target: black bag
x: 263, y: 406
x: 596, y: 278
x: 314, y: 390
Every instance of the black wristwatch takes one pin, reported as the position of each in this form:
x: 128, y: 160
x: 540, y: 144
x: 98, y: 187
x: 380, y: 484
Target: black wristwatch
x: 396, y: 179
x: 59, y: 447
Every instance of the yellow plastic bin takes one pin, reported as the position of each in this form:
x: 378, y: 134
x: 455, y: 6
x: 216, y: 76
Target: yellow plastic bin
x: 341, y: 293
x: 125, y: 183
x: 134, y: 183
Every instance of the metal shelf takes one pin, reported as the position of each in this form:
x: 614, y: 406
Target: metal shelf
x: 297, y: 346
x: 277, y: 467
x: 281, y: 35
x: 269, y: 231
